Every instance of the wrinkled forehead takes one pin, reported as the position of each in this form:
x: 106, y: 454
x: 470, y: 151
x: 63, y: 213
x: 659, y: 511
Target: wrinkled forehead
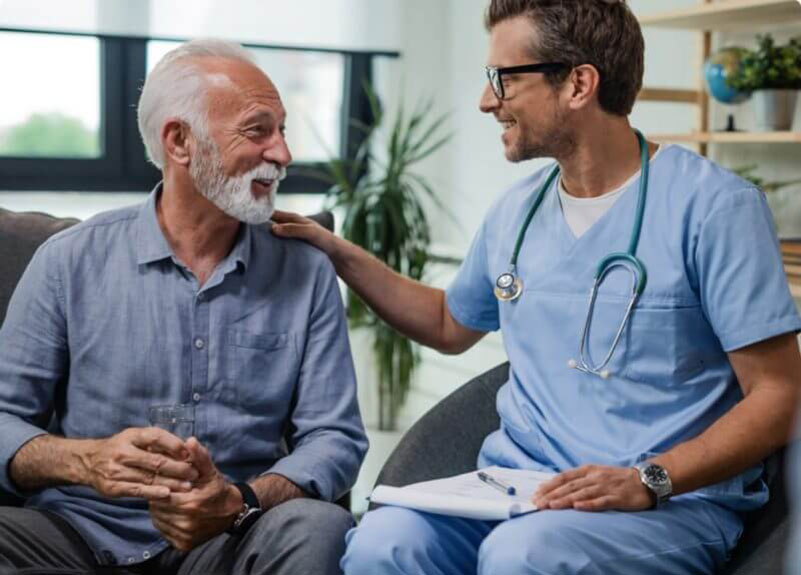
x: 234, y: 87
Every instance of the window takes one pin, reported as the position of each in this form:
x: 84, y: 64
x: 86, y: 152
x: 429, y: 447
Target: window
x: 70, y: 123
x: 37, y: 118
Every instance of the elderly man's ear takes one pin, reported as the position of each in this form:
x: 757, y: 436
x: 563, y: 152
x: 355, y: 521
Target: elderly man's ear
x: 177, y: 139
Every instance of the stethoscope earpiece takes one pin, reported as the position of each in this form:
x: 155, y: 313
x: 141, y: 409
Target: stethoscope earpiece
x: 573, y: 364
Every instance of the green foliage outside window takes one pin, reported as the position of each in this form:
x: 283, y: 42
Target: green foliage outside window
x: 50, y: 135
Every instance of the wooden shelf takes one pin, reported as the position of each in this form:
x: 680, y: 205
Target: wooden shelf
x: 730, y: 137
x: 670, y: 95
x: 727, y: 14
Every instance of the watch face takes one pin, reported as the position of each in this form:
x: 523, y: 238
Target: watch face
x: 656, y: 475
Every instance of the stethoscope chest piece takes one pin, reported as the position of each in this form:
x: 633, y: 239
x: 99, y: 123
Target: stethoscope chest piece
x: 508, y: 287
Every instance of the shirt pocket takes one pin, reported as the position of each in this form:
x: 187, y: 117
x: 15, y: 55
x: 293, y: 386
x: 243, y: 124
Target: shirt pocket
x: 262, y: 369
x: 667, y: 346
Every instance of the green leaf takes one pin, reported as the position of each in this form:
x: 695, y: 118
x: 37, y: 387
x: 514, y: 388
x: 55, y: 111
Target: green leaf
x: 381, y: 200
x: 769, y: 66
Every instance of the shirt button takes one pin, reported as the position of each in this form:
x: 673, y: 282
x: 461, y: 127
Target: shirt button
x: 146, y: 554
x: 199, y: 343
x: 201, y: 296
x: 196, y: 397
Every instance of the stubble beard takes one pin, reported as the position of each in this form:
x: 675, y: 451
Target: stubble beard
x: 555, y: 141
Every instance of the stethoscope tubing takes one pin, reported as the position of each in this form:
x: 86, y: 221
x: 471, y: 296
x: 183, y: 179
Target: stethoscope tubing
x: 509, y: 287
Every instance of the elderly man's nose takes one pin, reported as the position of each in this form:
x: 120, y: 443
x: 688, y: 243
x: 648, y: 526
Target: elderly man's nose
x: 279, y: 153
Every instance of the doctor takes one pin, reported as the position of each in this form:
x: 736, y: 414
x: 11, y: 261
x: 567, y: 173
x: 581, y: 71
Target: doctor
x: 656, y: 412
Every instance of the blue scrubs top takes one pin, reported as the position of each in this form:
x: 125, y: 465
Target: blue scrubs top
x: 715, y: 284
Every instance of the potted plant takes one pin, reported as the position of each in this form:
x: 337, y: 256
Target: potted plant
x: 773, y: 73
x: 380, y: 196
x: 782, y: 199
x: 749, y: 173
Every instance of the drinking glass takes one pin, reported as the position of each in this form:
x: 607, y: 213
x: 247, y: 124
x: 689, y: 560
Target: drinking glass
x: 177, y: 419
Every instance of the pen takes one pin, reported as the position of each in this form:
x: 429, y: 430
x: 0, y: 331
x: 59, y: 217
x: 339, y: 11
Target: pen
x: 496, y: 483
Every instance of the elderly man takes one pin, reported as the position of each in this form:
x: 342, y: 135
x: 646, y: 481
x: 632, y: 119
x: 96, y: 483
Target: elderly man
x: 182, y: 301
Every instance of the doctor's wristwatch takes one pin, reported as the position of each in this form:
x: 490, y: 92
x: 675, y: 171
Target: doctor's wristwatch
x: 656, y: 479
x: 251, y: 510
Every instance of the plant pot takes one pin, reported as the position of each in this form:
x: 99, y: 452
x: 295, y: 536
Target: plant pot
x: 774, y: 109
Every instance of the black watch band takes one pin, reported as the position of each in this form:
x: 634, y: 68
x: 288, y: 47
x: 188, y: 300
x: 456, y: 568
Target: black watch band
x: 248, y: 495
x: 251, y: 512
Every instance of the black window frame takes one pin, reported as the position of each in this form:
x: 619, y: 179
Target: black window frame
x: 123, y: 166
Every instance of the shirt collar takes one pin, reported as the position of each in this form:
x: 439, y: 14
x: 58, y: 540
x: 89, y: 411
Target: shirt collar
x: 152, y: 246
x: 240, y: 254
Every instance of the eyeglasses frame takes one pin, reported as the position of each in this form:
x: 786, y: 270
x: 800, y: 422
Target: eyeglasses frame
x: 498, y: 73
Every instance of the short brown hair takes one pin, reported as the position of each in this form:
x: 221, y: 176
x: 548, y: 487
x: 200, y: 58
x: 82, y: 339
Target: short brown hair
x: 603, y: 33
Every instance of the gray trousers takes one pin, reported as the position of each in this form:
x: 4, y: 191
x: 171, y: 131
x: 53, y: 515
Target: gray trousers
x: 299, y: 537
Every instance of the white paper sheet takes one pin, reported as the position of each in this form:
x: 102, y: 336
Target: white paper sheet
x: 467, y: 496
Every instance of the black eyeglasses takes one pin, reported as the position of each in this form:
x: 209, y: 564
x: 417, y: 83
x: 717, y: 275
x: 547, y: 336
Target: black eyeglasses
x: 495, y: 75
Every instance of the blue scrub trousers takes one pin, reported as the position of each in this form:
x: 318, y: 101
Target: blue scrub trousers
x: 687, y: 535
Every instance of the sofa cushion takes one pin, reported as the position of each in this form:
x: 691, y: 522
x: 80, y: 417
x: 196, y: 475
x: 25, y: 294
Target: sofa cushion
x: 20, y: 235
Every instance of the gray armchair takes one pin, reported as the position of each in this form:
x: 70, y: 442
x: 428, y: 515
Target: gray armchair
x: 447, y: 439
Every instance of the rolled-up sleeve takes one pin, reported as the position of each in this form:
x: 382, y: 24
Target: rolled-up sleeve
x: 328, y: 442
x: 33, y: 357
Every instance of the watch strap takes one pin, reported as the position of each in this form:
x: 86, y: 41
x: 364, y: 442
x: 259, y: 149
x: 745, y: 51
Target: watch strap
x: 250, y: 513
x: 248, y: 495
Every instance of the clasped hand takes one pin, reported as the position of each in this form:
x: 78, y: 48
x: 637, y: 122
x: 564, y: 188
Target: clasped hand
x: 128, y: 464
x: 188, y: 518
x: 189, y: 499
x: 595, y: 488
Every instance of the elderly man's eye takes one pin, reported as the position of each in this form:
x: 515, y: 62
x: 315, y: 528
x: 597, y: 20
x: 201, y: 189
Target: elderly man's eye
x: 254, y: 132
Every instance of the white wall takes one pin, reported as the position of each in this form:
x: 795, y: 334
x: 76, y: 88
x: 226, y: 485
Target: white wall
x: 343, y: 24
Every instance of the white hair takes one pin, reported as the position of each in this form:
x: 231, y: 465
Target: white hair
x: 176, y: 88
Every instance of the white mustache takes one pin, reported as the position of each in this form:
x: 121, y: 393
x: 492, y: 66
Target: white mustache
x: 267, y: 172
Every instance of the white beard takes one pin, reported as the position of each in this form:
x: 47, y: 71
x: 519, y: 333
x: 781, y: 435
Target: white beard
x: 233, y: 195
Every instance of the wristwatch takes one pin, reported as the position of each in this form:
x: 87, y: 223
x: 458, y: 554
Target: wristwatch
x: 656, y: 479
x: 250, y: 513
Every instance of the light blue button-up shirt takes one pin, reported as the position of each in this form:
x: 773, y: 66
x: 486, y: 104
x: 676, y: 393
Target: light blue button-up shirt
x: 106, y: 322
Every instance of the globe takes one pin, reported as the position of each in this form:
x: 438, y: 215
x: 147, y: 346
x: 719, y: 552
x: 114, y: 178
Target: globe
x: 718, y: 68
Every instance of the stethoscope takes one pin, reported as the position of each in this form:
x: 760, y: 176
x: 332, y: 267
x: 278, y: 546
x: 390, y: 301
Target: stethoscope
x: 509, y: 287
